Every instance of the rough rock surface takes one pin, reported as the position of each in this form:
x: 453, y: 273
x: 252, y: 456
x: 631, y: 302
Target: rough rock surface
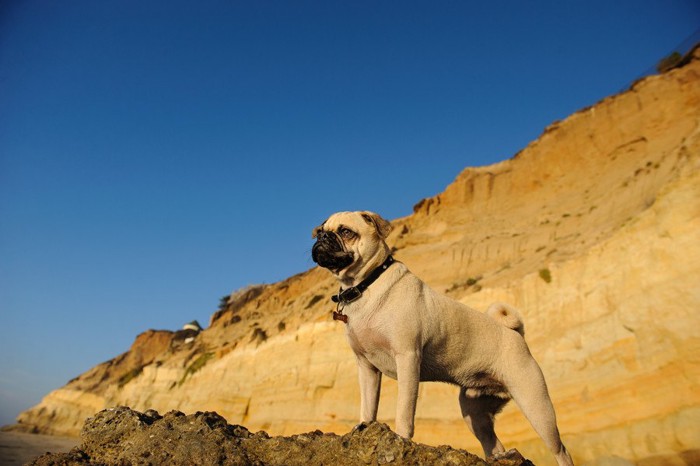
x: 591, y: 231
x: 121, y: 436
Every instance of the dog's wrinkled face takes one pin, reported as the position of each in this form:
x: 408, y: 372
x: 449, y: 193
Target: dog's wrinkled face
x: 347, y: 240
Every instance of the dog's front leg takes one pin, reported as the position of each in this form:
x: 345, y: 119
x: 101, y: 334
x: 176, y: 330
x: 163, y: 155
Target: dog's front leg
x: 408, y: 377
x: 370, y: 386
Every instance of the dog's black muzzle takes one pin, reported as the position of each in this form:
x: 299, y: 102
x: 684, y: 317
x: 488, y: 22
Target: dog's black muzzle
x: 328, y: 252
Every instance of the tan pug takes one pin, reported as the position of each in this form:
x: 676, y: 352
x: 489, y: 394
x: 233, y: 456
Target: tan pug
x: 398, y: 326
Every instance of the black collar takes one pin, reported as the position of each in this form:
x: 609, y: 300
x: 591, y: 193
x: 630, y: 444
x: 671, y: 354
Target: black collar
x: 354, y: 293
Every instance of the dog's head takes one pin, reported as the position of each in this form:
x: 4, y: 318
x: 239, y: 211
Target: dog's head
x: 348, y: 241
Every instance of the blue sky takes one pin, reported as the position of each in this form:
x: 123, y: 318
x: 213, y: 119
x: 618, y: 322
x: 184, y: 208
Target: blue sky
x: 155, y: 156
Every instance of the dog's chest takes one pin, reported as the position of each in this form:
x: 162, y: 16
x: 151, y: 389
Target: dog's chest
x: 374, y: 345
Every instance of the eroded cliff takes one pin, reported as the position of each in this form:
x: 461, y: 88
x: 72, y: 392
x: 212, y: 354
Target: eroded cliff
x: 591, y: 230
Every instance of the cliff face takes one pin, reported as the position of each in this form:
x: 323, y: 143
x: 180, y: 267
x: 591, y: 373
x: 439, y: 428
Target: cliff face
x: 591, y: 231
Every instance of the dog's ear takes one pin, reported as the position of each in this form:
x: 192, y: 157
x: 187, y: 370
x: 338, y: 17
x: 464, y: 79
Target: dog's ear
x: 383, y: 227
x: 317, y: 230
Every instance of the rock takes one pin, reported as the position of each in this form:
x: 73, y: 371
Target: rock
x: 72, y: 458
x: 123, y: 436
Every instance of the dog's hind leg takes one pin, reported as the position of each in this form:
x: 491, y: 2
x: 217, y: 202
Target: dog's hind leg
x: 479, y: 412
x: 526, y: 384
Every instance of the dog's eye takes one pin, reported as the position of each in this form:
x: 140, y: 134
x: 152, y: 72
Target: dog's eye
x: 346, y: 233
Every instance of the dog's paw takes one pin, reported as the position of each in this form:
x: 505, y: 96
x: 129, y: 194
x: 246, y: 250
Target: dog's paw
x: 511, y: 456
x: 360, y: 427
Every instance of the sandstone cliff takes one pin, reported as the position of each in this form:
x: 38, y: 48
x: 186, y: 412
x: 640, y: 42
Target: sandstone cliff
x: 591, y: 230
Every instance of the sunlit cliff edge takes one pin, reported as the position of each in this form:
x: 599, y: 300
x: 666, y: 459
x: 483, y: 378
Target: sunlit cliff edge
x: 592, y: 231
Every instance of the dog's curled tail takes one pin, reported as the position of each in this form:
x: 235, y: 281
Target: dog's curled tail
x: 508, y: 316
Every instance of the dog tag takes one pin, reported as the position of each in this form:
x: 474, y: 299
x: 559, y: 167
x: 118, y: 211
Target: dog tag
x: 340, y: 316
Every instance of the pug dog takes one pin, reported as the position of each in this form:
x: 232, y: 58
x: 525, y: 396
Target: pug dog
x: 400, y: 327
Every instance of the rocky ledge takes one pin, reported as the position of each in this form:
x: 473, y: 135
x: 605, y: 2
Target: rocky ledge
x: 122, y: 436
